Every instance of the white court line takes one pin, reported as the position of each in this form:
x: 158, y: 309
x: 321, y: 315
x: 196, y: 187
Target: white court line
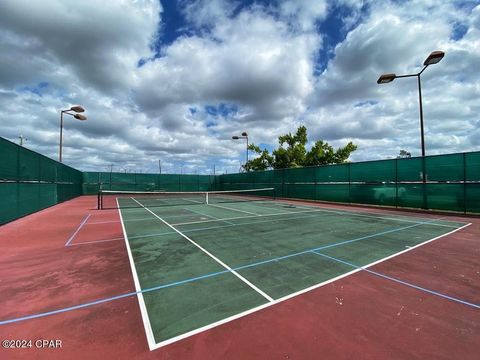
x: 96, y: 241
x: 265, y: 205
x: 215, y: 227
x: 262, y: 204
x: 420, y: 220
x: 413, y: 247
x: 244, y: 313
x: 228, y: 208
x: 210, y: 216
x: 171, y: 202
x: 246, y: 217
x: 103, y: 222
x: 141, y: 302
x: 193, y: 201
x: 266, y: 296
x: 317, y: 209
x: 248, y: 223
x: 238, y: 217
x: 116, y: 221
x: 70, y: 239
x: 314, y: 211
x: 369, y: 214
x: 101, y: 211
x: 295, y: 294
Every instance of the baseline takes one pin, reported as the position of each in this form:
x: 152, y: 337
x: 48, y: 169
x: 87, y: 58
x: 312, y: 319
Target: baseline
x: 158, y: 345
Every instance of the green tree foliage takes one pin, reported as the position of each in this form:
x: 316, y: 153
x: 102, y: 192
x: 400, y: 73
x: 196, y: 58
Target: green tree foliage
x: 293, y: 155
x: 292, y: 152
x: 404, y: 155
x: 262, y: 162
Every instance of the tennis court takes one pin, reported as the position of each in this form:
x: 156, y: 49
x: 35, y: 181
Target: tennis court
x: 199, y: 263
x: 238, y: 274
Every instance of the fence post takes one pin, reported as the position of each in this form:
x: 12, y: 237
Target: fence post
x: 396, y: 183
x: 424, y: 182
x: 349, y: 184
x: 464, y: 183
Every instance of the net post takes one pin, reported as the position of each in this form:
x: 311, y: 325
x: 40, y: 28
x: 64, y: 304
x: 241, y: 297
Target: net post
x: 98, y: 200
x: 206, y: 198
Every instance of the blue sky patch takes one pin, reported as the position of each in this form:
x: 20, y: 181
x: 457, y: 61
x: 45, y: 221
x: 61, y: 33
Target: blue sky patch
x: 334, y: 31
x: 211, y: 123
x: 173, y: 25
x: 223, y: 110
x: 366, y: 103
x: 458, y: 31
x: 38, y: 89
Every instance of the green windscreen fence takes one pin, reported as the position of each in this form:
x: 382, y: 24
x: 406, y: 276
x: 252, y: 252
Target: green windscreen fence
x: 30, y: 181
x: 452, y: 182
x: 95, y: 181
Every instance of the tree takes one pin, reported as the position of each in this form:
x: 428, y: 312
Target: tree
x: 404, y: 154
x: 292, y: 152
x: 262, y: 162
x: 295, y: 152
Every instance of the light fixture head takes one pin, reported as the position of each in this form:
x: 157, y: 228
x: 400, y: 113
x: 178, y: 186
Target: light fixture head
x: 235, y: 137
x: 434, y: 58
x: 244, y: 134
x: 80, y: 117
x: 386, y: 78
x: 77, y: 108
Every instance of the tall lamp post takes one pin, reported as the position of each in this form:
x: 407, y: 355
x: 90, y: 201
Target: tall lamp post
x: 244, y: 136
x: 73, y: 111
x: 432, y: 59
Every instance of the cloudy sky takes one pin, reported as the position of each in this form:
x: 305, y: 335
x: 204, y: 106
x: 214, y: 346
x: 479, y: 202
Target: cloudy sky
x: 175, y: 79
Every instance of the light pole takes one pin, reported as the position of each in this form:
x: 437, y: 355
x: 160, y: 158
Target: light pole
x: 432, y: 59
x: 23, y: 139
x: 244, y: 136
x: 77, y: 109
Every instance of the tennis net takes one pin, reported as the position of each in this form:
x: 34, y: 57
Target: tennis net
x: 109, y: 199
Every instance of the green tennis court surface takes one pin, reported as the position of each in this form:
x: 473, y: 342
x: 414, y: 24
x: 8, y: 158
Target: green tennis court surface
x: 202, y: 264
